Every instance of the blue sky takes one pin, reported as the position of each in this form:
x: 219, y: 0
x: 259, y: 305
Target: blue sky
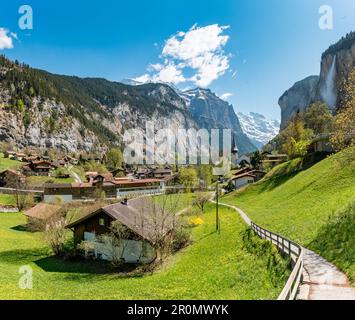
x: 267, y: 46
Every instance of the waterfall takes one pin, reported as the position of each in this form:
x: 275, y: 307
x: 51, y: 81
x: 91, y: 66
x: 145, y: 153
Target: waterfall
x: 328, y: 91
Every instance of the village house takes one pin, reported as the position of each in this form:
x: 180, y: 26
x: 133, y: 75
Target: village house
x: 12, y: 179
x: 274, y: 159
x: 19, y: 156
x: 9, y: 154
x: 243, y: 180
x: 31, y: 158
x: 162, y: 173
x: 138, y: 216
x: 321, y: 143
x: 40, y: 168
x: 143, y: 173
x: 246, y: 176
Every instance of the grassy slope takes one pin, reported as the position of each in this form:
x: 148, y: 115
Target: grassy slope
x: 7, y: 200
x: 6, y: 163
x: 213, y: 267
x: 175, y: 203
x: 298, y: 204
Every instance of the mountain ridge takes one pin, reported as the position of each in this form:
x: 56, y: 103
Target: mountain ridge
x: 41, y: 109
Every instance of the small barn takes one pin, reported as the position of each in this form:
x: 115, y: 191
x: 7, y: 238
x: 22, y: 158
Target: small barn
x: 42, y: 214
x: 11, y: 179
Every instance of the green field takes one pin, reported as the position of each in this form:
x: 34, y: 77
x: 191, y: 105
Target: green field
x: 40, y: 180
x: 214, y: 267
x: 175, y: 203
x: 298, y: 203
x: 6, y: 163
x: 7, y: 200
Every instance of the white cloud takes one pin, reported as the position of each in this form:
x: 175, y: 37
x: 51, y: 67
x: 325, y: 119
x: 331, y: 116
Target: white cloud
x: 143, y: 79
x: 200, y: 49
x: 6, y: 39
x: 169, y: 73
x: 225, y: 96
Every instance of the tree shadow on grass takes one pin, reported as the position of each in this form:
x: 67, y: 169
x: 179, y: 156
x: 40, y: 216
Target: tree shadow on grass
x: 83, y: 266
x: 274, y: 182
x: 21, y: 228
x: 22, y: 256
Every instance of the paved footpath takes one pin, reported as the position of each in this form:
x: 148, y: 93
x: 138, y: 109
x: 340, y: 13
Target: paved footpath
x: 321, y: 279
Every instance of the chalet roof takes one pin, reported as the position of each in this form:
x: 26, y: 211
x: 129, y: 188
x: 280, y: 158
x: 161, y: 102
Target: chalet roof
x: 141, y: 215
x: 321, y: 137
x: 39, y: 162
x: 57, y: 185
x: 42, y: 211
x: 276, y: 155
x: 240, y: 171
x: 91, y: 173
x: 245, y: 174
x: 143, y: 170
x: 12, y: 171
x: 80, y: 185
x: 135, y: 181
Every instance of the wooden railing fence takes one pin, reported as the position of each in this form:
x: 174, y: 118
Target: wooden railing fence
x: 291, y: 249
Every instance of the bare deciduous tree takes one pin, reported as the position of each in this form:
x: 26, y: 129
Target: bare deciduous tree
x: 55, y: 234
x: 201, y: 200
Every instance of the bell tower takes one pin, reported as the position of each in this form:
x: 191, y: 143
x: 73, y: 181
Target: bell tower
x: 234, y: 152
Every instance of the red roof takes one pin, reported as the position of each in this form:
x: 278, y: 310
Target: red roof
x: 135, y: 181
x: 246, y: 174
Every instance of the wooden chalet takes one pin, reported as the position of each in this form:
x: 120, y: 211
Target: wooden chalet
x: 12, y: 179
x: 143, y: 219
x: 41, y: 168
x: 274, y: 159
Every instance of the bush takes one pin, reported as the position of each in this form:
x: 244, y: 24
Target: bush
x: 278, y: 267
x: 181, y: 238
x: 336, y: 240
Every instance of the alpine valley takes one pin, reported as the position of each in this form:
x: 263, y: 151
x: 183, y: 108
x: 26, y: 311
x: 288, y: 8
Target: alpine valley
x: 40, y: 109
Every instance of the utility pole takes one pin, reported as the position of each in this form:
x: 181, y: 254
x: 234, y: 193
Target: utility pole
x: 217, y: 215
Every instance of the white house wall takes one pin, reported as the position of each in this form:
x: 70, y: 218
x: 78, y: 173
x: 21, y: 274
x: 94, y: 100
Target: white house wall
x: 133, y: 251
x: 241, y: 182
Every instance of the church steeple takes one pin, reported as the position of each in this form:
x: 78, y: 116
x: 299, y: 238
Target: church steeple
x: 235, y: 155
x: 234, y: 147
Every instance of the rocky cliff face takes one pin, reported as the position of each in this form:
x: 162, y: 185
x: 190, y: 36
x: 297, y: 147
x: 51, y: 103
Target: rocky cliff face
x: 336, y: 64
x: 335, y: 67
x: 298, y: 98
x: 38, y: 109
x: 211, y: 112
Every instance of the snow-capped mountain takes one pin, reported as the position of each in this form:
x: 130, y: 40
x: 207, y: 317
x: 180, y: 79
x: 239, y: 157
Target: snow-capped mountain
x: 211, y: 112
x: 258, y: 128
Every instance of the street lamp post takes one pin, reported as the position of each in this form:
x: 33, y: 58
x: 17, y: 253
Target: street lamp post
x: 218, y: 226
